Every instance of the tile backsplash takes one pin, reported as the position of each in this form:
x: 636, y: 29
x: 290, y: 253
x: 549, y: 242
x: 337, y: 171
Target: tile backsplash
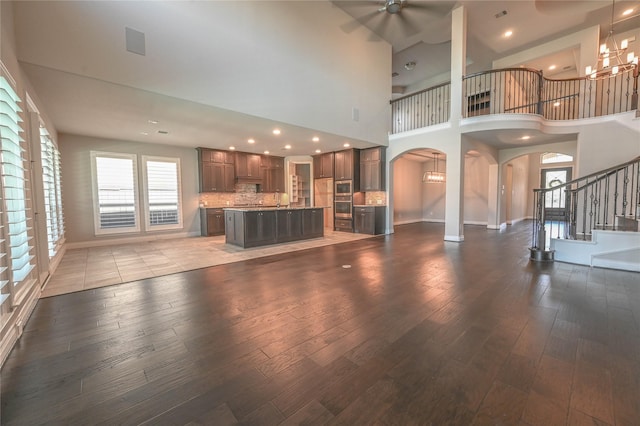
x: 245, y: 194
x: 375, y: 197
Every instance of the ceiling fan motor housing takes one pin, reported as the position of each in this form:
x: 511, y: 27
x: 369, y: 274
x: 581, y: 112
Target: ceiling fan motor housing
x: 393, y: 6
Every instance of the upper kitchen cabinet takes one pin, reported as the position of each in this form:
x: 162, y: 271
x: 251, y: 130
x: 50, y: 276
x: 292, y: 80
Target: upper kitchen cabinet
x: 272, y: 174
x: 216, y: 170
x: 347, y: 167
x: 372, y: 169
x: 323, y: 165
x: 248, y: 168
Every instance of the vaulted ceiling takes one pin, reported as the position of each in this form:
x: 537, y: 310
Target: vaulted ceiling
x: 96, y: 94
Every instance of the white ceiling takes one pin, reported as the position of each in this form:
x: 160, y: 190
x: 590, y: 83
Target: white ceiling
x: 95, y: 95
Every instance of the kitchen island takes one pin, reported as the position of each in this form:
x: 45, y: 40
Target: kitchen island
x: 261, y: 226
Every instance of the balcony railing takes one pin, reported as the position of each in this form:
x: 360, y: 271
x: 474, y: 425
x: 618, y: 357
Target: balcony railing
x: 606, y: 200
x: 519, y: 91
x: 421, y: 109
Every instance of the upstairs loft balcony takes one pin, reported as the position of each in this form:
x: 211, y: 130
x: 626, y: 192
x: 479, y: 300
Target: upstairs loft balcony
x: 518, y: 91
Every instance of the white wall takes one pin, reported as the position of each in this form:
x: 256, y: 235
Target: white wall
x: 519, y: 189
x: 610, y: 141
x: 289, y: 61
x: 77, y: 190
x: 434, y: 194
x: 476, y: 190
x: 407, y: 191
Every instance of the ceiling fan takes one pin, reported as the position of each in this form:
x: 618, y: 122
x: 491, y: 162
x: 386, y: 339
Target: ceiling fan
x: 410, y: 16
x: 393, y: 6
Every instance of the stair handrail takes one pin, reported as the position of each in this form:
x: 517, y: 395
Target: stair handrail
x: 602, y: 196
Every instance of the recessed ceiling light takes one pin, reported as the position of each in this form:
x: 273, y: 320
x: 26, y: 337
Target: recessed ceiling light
x: 318, y: 151
x: 410, y: 65
x: 144, y: 133
x: 287, y: 147
x: 627, y: 12
x: 153, y: 122
x: 347, y: 145
x: 232, y: 148
x: 552, y: 67
x: 276, y: 131
x: 525, y: 138
x: 266, y: 152
x: 251, y: 141
x: 316, y: 139
x: 508, y: 33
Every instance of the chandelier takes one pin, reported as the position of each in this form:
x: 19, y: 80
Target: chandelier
x: 434, y: 176
x: 612, y: 59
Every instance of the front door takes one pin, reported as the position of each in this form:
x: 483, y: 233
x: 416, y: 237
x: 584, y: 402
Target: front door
x: 555, y: 200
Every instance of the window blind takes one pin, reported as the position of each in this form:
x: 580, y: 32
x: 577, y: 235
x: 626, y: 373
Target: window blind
x: 163, y: 198
x: 52, y: 191
x: 15, y: 187
x: 117, y: 198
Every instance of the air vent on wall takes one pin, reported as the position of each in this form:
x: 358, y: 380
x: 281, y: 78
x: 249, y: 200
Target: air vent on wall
x: 135, y: 41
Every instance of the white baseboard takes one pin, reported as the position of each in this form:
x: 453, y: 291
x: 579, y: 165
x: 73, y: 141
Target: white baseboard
x: 128, y: 240
x: 405, y: 222
x: 454, y: 238
x: 476, y: 222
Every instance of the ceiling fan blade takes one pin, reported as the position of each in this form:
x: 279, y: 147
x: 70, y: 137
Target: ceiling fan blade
x: 351, y: 26
x: 409, y: 28
x: 437, y: 9
x: 380, y: 29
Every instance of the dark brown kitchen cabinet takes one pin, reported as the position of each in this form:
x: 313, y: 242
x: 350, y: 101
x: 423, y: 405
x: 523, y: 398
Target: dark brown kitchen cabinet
x: 323, y: 165
x: 216, y: 171
x: 313, y: 223
x: 372, y: 169
x: 248, y: 167
x: 289, y: 225
x: 369, y: 219
x: 347, y: 167
x: 211, y: 222
x: 259, y: 227
x: 272, y: 174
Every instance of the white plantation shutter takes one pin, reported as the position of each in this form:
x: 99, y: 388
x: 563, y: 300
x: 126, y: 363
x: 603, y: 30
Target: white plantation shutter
x: 52, y: 191
x: 162, y: 194
x: 17, y: 258
x: 115, y: 192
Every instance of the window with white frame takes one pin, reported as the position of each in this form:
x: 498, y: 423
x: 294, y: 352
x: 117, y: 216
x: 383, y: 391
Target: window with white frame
x: 555, y: 157
x: 17, y: 258
x: 52, y: 191
x: 115, y: 192
x: 162, y: 196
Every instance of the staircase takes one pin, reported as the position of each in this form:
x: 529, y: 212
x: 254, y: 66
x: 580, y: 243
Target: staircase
x: 596, y: 220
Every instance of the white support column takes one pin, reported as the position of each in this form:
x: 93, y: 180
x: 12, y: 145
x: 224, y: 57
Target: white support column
x: 458, y: 61
x: 453, y: 222
x: 453, y: 227
x: 493, y: 207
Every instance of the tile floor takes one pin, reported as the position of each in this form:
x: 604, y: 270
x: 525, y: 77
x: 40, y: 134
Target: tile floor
x: 83, y: 269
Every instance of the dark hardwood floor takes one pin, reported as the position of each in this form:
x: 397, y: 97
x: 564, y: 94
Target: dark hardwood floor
x: 417, y: 331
